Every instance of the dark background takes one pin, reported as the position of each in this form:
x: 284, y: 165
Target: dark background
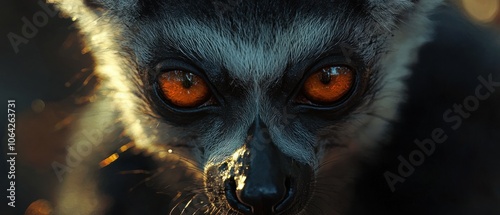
x: 50, y: 69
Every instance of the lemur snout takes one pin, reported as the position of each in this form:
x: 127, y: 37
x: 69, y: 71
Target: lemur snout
x: 264, y: 180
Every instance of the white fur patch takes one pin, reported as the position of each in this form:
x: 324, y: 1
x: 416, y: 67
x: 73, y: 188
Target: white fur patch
x: 394, y: 69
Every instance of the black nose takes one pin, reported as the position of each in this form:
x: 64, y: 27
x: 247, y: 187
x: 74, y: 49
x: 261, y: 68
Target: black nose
x: 265, y: 196
x: 266, y: 186
x: 266, y: 199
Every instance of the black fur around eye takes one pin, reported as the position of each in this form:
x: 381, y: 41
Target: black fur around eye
x: 179, y: 92
x: 332, y: 83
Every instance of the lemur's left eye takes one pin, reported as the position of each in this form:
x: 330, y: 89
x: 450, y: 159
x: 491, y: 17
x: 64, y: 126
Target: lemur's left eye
x: 184, y: 89
x: 329, y: 84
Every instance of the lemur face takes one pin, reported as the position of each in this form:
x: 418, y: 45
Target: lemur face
x: 274, y: 101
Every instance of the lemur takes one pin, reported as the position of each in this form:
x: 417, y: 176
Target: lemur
x: 281, y: 107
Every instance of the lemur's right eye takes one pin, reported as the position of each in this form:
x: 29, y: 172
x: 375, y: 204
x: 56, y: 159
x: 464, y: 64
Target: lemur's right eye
x: 329, y: 84
x: 184, y: 89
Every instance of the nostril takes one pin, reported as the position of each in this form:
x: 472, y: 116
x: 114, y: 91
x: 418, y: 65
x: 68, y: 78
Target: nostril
x: 289, y: 196
x: 232, y: 198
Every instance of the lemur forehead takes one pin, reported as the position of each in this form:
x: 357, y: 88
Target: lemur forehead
x: 249, y: 44
x: 262, y: 52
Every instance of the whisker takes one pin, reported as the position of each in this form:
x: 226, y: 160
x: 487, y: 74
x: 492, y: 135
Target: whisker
x: 146, y: 179
x: 188, y: 203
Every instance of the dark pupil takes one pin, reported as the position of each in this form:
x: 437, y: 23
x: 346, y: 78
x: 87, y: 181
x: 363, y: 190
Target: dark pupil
x: 187, y: 80
x: 325, y: 76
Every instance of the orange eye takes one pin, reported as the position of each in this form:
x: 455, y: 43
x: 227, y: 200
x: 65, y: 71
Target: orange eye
x: 184, y: 89
x: 329, y: 84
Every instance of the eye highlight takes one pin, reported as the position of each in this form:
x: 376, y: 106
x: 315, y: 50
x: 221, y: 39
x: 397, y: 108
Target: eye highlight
x: 184, y: 89
x: 329, y: 84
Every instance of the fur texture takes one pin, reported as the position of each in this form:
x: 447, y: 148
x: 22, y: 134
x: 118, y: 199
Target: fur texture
x: 250, y: 51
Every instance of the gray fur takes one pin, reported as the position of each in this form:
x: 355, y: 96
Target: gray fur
x: 256, y: 55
